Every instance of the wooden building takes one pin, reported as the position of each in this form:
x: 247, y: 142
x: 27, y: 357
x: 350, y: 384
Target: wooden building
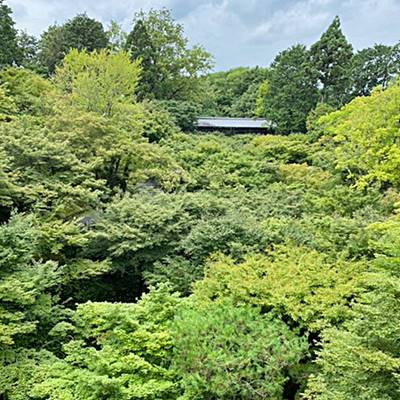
x: 233, y: 126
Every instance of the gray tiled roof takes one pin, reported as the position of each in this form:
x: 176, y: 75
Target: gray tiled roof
x: 245, y: 123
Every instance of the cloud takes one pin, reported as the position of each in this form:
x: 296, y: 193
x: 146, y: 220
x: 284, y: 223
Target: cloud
x: 298, y: 20
x: 237, y: 32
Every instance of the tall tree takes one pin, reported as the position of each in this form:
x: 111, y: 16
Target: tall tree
x: 332, y: 56
x: 51, y: 49
x: 292, y: 90
x: 81, y: 33
x: 98, y: 82
x: 28, y: 48
x: 372, y: 67
x: 9, y: 52
x: 84, y: 33
x: 170, y: 68
x: 116, y: 36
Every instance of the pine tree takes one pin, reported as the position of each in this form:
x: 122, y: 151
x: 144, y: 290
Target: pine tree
x: 8, y: 37
x: 332, y: 56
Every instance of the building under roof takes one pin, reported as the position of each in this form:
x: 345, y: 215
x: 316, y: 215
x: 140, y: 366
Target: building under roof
x: 235, y: 125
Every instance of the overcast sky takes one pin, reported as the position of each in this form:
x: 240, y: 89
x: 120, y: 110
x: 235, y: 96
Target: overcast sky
x: 236, y: 32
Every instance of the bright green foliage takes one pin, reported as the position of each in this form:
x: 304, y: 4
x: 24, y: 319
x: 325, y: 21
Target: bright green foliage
x: 19, y: 371
x: 332, y: 56
x: 298, y: 284
x: 362, y: 360
x: 24, y: 281
x: 157, y: 122
x: 223, y: 351
x: 28, y: 90
x: 372, y: 67
x: 81, y: 33
x: 7, y: 188
x: 170, y: 68
x: 9, y: 52
x: 48, y: 173
x: 98, y: 82
x: 232, y: 93
x: 290, y: 272
x: 8, y: 107
x: 367, y: 134
x: 292, y: 90
x: 215, y: 162
x: 66, y: 165
x: 112, y: 351
x: 184, y: 113
x: 260, y: 96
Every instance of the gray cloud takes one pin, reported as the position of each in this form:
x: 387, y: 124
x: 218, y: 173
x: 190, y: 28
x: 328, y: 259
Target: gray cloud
x: 237, y: 32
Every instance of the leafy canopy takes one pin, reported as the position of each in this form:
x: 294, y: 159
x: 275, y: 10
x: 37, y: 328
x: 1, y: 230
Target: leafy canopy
x: 292, y: 90
x: 170, y: 68
x: 81, y: 33
x: 367, y: 134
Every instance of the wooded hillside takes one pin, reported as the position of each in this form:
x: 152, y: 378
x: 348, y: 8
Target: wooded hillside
x: 142, y: 260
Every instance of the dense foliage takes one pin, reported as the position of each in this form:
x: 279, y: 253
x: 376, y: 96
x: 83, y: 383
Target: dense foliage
x: 291, y: 90
x: 81, y: 33
x: 169, y: 66
x: 8, y: 37
x: 331, y: 56
x: 138, y: 261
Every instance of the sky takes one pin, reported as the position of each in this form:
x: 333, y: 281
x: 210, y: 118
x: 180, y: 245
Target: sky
x: 235, y: 32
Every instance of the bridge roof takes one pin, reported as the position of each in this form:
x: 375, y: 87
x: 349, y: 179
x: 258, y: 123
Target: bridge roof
x: 233, y: 123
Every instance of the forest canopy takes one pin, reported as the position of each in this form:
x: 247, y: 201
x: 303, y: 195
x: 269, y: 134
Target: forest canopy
x: 140, y: 259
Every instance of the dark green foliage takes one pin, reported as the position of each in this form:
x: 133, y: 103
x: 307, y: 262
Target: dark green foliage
x: 170, y: 68
x: 52, y: 49
x: 140, y: 262
x: 223, y: 351
x: 184, y: 113
x: 374, y: 66
x: 81, y: 33
x: 84, y: 33
x: 312, y: 124
x: 292, y: 90
x: 28, y: 46
x: 9, y: 51
x: 331, y: 56
x: 232, y: 93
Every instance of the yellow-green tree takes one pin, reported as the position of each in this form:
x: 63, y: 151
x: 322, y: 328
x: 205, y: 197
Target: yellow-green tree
x: 98, y: 82
x: 367, y: 137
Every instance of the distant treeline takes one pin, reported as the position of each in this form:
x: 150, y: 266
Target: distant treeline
x: 138, y: 262
x: 330, y: 72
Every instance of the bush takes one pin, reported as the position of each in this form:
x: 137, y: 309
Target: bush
x: 225, y: 351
